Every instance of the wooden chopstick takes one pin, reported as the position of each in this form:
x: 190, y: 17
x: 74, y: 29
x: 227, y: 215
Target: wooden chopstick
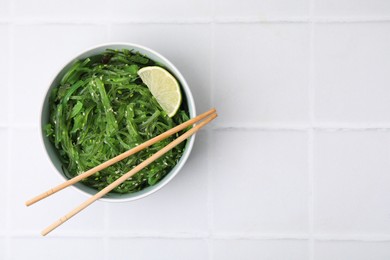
x: 128, y: 175
x: 120, y: 157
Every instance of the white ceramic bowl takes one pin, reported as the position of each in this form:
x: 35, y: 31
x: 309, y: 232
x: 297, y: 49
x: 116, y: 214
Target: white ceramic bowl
x: 51, y: 150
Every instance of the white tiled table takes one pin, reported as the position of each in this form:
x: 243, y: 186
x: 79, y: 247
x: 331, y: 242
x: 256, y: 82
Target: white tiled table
x: 297, y: 166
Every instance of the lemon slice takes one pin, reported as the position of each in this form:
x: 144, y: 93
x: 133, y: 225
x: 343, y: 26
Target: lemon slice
x: 164, y: 88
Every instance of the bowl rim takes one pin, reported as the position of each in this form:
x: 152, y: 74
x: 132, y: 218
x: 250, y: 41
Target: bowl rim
x: 191, y: 107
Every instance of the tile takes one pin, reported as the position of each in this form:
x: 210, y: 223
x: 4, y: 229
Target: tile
x: 261, y: 73
x: 71, y: 9
x: 181, y: 206
x: 260, y: 182
x: 49, y: 48
x: 185, y: 45
x: 4, y: 8
x: 2, y: 248
x: 351, y: 182
x: 154, y: 248
x: 260, y: 9
x: 357, y: 250
x: 160, y: 10
x: 56, y: 248
x: 260, y: 249
x: 351, y: 77
x: 4, y: 73
x: 351, y: 8
x: 38, y: 176
x: 4, y: 176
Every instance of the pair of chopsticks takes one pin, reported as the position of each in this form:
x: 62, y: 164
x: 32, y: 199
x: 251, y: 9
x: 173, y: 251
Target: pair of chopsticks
x: 207, y: 116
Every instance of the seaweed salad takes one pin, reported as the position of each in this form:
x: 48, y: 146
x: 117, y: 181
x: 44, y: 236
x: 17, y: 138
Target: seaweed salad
x: 100, y: 109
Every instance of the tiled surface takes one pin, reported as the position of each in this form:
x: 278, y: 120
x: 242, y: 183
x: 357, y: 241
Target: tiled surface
x: 295, y: 167
x: 69, y: 10
x: 2, y: 247
x: 351, y: 8
x: 38, y: 179
x: 4, y: 74
x: 351, y: 76
x: 4, y: 8
x: 165, y: 212
x: 189, y: 38
x: 150, y: 249
x: 252, y: 250
x: 270, y: 59
x: 351, y: 178
x: 254, y: 9
x: 56, y: 248
x: 265, y: 189
x: 4, y: 163
x: 340, y: 250
x: 172, y: 10
x: 59, y: 41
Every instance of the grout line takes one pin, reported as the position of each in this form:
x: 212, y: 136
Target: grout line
x: 329, y: 237
x: 353, y: 237
x: 205, y: 235
x: 311, y: 71
x: 258, y: 128
x: 368, y: 19
x: 11, y: 30
x: 310, y: 147
x: 344, y: 129
x: 210, y: 150
x: 8, y: 196
x: 29, y: 22
x: 257, y: 20
x: 106, y: 232
x: 11, y: 35
x: 63, y: 234
x: 210, y: 212
x: 299, y: 128
x: 210, y: 248
x: 310, y: 157
x: 260, y: 237
x: 159, y: 236
x: 34, y: 20
x: 162, y: 21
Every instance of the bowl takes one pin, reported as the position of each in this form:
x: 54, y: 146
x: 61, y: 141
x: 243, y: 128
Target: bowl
x: 51, y: 150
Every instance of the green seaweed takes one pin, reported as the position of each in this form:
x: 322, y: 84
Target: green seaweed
x: 100, y: 109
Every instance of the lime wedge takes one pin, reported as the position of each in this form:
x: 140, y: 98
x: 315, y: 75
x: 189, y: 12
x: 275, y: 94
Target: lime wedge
x: 163, y: 86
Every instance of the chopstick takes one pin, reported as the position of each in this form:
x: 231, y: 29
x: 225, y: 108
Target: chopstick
x: 120, y: 157
x: 128, y: 175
